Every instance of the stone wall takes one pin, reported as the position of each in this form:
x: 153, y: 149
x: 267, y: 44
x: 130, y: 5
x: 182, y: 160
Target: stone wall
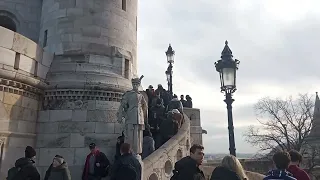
x: 23, y: 68
x: 159, y: 165
x: 69, y: 132
x: 195, y: 124
x: 25, y: 14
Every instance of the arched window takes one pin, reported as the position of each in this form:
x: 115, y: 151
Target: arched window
x: 8, y: 20
x: 8, y: 23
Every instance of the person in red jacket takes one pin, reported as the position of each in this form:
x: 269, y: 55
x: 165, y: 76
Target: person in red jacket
x: 294, y: 168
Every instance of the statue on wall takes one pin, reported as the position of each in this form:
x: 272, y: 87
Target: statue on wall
x: 132, y: 112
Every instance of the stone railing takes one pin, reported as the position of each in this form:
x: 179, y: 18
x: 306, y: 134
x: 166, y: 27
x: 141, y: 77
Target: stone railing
x: 207, y: 170
x: 195, y: 125
x: 159, y: 165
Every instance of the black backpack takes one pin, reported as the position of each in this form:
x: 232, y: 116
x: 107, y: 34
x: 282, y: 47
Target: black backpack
x: 127, y: 172
x: 12, y: 173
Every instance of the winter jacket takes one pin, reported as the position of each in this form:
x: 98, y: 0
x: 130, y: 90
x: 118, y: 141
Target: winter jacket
x: 148, y: 146
x: 277, y: 174
x: 187, y: 169
x: 183, y: 101
x: 168, y: 128
x: 58, y: 173
x: 157, y: 114
x: 126, y: 159
x: 28, y: 170
x: 188, y: 104
x: 298, y: 173
x: 222, y: 173
x: 100, y: 171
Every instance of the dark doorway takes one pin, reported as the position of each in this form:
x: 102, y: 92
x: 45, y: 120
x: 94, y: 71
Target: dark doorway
x: 8, y: 23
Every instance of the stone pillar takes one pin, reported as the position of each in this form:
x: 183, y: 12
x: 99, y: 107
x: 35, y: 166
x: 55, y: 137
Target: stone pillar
x: 195, y: 125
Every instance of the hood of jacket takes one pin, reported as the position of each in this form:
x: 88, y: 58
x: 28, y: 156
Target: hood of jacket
x: 63, y: 166
x: 23, y: 162
x: 279, y: 173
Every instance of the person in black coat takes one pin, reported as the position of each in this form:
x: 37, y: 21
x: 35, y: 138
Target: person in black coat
x: 188, y: 167
x: 96, y: 165
x: 26, y: 166
x: 127, y: 167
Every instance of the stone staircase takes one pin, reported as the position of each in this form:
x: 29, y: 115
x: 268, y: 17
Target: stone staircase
x: 159, y: 165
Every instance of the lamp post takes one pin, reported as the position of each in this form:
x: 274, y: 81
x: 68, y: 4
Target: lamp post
x: 227, y: 68
x: 170, y: 59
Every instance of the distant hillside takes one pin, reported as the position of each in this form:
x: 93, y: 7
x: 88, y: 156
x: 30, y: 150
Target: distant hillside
x: 219, y: 156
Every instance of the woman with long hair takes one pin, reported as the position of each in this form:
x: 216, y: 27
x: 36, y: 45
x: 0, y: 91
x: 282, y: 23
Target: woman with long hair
x: 230, y: 169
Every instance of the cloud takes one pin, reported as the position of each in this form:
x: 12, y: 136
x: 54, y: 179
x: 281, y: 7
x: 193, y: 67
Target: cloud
x: 276, y: 42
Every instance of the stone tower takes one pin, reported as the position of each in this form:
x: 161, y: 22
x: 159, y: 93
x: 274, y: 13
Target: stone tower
x: 94, y: 42
x: 314, y: 136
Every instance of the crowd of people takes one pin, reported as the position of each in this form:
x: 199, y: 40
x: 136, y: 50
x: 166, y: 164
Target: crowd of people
x: 286, y: 167
x: 128, y: 167
x: 165, y: 117
x: 96, y: 166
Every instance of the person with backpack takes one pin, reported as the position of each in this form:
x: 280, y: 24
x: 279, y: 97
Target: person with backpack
x: 58, y: 170
x: 24, y: 167
x: 127, y: 167
x: 97, y: 164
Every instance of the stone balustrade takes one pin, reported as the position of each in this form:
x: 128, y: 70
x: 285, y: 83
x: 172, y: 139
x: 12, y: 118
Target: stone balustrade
x: 195, y: 124
x: 159, y: 165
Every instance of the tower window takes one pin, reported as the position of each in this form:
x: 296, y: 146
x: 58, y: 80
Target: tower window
x: 126, y: 68
x: 124, y: 5
x: 45, y: 38
x: 8, y: 23
x: 17, y: 61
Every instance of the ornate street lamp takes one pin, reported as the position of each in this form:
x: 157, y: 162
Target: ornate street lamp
x: 227, y: 68
x: 170, y: 59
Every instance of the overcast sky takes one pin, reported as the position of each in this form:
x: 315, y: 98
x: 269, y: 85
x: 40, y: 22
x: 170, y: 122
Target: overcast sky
x: 277, y: 42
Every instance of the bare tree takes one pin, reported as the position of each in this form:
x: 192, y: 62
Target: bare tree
x: 284, y: 123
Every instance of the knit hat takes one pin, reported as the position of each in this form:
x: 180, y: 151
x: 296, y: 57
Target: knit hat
x: 29, y: 152
x: 59, y: 159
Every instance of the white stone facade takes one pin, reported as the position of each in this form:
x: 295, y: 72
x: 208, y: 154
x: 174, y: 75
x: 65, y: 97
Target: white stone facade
x: 62, y: 76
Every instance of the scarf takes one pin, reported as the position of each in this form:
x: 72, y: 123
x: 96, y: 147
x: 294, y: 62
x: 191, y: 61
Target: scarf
x: 95, y: 153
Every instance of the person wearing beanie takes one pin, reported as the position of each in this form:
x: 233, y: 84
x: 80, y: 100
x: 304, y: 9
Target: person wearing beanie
x: 29, y: 152
x: 58, y: 170
x: 27, y: 169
